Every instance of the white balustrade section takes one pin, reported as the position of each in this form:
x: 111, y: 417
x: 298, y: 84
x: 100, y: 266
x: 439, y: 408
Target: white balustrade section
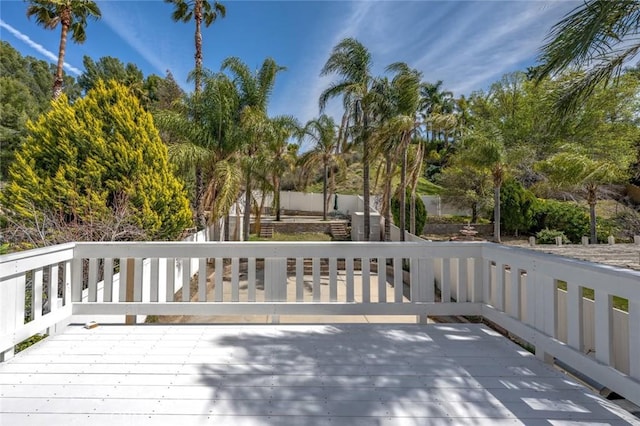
x: 535, y: 296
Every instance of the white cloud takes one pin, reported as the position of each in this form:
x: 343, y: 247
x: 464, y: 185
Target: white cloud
x: 38, y: 47
x: 145, y: 41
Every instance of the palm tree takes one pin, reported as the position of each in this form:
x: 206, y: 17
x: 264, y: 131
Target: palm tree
x: 72, y: 16
x: 483, y: 148
x: 279, y: 155
x: 407, y: 84
x: 599, y: 35
x: 201, y: 11
x: 254, y: 90
x: 207, y: 146
x: 351, y: 61
x: 321, y: 132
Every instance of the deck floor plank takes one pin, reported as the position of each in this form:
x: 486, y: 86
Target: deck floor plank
x: 344, y: 374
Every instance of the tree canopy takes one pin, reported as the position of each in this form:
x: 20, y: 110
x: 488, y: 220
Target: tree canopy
x: 97, y: 164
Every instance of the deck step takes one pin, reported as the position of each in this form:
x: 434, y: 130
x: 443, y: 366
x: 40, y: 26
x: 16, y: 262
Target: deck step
x: 266, y: 230
x: 339, y: 231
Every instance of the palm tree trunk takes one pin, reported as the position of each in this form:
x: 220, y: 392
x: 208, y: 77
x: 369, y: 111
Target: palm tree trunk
x: 403, y: 190
x: 197, y: 16
x: 58, y: 80
x: 227, y: 226
x: 324, y: 191
x: 246, y: 226
x: 386, y: 199
x: 496, y: 213
x: 276, y: 194
x: 365, y: 179
x: 412, y: 213
x: 592, y: 200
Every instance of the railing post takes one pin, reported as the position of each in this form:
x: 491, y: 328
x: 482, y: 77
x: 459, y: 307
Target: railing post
x: 634, y: 339
x: 603, y: 325
x: 275, y: 282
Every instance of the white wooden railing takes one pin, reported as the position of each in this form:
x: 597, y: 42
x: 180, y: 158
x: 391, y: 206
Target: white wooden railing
x: 517, y: 289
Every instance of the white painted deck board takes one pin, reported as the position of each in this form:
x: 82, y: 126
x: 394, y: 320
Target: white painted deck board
x: 290, y: 375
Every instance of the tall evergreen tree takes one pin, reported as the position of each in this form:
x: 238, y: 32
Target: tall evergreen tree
x: 97, y: 165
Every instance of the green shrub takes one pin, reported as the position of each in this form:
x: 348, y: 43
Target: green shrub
x: 548, y: 236
x: 516, y: 207
x: 570, y: 218
x: 421, y: 212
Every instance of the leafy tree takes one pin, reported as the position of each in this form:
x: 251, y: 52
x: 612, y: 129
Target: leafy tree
x: 95, y: 161
x: 351, y: 61
x: 72, y: 16
x: 17, y: 105
x: 576, y: 169
x: 164, y: 93
x: 517, y: 207
x: 598, y: 35
x: 466, y: 187
x: 201, y: 11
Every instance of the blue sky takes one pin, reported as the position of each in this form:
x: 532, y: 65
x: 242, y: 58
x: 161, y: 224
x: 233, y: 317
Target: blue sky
x: 467, y: 44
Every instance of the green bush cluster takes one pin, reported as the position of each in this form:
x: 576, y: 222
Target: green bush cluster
x: 548, y: 236
x: 421, y: 211
x: 570, y: 218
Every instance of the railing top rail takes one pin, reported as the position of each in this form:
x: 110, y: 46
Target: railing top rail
x: 561, y: 261
x: 35, y: 252
x: 251, y: 249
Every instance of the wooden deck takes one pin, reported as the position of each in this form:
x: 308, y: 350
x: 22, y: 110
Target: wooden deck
x: 343, y: 374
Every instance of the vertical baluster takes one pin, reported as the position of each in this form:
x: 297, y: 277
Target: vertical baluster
x: 299, y: 279
x: 478, y: 284
x: 66, y: 295
x: 154, y: 279
x: 350, y: 282
x: 137, y: 280
x: 316, y: 279
x: 76, y: 280
x: 366, y: 280
x: 515, y: 292
x: 219, y: 274
x: 445, y: 284
x: 202, y: 279
x: 93, y: 280
x: 186, y: 279
x: 235, y: 279
x: 603, y: 323
x: 463, y: 279
x: 634, y: 338
x: 575, y: 316
x: 487, y: 282
x: 36, y: 294
x: 398, y: 285
x: 52, y: 290
x: 333, y: 279
x: 498, y: 298
x: 107, y: 289
x: 251, y: 277
x: 382, y: 280
x: 171, y: 276
x: 428, y: 280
